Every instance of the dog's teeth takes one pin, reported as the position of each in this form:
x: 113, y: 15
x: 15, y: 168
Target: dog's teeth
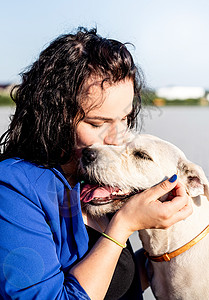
x: 119, y: 192
x: 115, y: 193
x: 101, y: 198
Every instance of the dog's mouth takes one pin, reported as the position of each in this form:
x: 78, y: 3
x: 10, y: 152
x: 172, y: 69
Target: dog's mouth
x: 102, y: 195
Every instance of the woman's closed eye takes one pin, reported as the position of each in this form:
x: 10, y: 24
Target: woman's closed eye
x: 96, y: 125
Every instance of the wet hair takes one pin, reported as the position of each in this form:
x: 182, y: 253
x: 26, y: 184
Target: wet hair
x: 50, y: 96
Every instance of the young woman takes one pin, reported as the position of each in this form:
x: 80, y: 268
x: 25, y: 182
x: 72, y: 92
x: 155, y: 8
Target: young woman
x: 83, y: 89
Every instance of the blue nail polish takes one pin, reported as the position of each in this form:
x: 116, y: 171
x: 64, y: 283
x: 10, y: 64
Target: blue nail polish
x: 173, y: 178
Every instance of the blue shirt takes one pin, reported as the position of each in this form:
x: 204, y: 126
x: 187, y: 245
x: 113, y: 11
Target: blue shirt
x: 40, y: 236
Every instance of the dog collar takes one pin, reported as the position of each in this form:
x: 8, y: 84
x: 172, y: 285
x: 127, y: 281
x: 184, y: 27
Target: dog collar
x: 169, y: 256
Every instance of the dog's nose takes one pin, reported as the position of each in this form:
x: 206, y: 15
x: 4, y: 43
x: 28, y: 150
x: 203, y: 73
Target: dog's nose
x: 88, y: 156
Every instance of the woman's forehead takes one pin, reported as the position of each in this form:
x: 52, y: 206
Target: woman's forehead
x: 111, y: 100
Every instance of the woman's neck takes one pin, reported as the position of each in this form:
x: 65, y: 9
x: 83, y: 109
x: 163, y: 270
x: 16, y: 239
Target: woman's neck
x: 99, y: 224
x: 70, y: 172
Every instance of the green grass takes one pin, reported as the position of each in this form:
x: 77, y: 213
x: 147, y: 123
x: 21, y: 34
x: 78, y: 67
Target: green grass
x: 6, y: 100
x: 183, y: 102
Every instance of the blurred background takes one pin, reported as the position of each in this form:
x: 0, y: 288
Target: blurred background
x: 171, y: 45
x: 170, y: 38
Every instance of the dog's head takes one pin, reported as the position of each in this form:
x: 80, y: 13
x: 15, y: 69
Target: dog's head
x: 115, y: 172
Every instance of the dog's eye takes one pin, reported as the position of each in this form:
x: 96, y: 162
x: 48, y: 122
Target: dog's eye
x: 142, y: 155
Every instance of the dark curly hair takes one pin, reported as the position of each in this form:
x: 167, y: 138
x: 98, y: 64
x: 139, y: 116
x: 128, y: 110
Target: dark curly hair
x: 48, y: 101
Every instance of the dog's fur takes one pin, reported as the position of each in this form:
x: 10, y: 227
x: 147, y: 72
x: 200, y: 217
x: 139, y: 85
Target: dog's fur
x: 141, y: 164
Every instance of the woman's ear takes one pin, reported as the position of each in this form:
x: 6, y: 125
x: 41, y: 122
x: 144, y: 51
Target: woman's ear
x: 194, y: 178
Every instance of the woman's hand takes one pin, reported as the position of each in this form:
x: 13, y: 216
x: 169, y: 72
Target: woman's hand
x: 144, y: 210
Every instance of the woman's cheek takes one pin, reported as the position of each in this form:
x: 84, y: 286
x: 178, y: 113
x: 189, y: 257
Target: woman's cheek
x: 87, y: 136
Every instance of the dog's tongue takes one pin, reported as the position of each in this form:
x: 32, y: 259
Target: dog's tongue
x: 89, y: 192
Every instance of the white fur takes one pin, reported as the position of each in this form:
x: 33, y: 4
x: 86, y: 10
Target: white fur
x: 185, y: 277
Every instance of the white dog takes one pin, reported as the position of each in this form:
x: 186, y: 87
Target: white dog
x: 142, y: 163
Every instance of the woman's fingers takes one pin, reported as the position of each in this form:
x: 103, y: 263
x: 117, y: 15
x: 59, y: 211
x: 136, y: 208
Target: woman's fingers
x: 178, y: 208
x: 180, y: 190
x: 174, y: 214
x: 163, y: 188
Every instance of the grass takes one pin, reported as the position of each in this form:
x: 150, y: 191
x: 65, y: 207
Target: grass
x: 5, y: 100
x: 182, y: 102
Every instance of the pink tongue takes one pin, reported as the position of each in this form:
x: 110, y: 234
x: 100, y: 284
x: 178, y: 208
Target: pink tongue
x: 89, y: 192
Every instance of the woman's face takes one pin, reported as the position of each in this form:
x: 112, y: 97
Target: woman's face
x: 106, y: 114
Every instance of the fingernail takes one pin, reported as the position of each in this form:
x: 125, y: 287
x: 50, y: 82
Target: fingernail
x: 173, y: 178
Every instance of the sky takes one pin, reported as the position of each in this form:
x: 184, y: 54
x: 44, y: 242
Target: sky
x: 171, y: 38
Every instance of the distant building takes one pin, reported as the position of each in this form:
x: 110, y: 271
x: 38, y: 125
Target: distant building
x: 4, y: 85
x: 180, y: 92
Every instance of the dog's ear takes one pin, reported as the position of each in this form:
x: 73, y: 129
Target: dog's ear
x: 194, y: 178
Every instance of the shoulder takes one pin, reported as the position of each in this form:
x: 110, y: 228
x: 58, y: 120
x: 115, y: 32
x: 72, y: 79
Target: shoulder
x: 19, y: 169
x: 28, y: 178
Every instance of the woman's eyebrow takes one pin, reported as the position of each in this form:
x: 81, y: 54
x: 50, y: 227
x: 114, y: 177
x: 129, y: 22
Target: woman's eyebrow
x: 99, y: 118
x: 103, y: 118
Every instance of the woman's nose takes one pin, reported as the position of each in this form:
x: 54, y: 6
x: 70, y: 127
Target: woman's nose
x: 115, y: 135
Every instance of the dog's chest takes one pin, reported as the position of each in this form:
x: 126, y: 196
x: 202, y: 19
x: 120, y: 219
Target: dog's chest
x: 185, y: 277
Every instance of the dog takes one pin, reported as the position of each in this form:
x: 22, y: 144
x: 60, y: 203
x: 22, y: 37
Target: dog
x: 114, y: 173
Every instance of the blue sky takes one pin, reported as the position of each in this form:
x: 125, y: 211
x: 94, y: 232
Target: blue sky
x: 171, y: 38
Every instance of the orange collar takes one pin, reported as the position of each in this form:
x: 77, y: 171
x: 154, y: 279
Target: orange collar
x: 169, y: 256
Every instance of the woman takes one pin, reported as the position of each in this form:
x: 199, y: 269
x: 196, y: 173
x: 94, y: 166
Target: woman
x: 82, y: 89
